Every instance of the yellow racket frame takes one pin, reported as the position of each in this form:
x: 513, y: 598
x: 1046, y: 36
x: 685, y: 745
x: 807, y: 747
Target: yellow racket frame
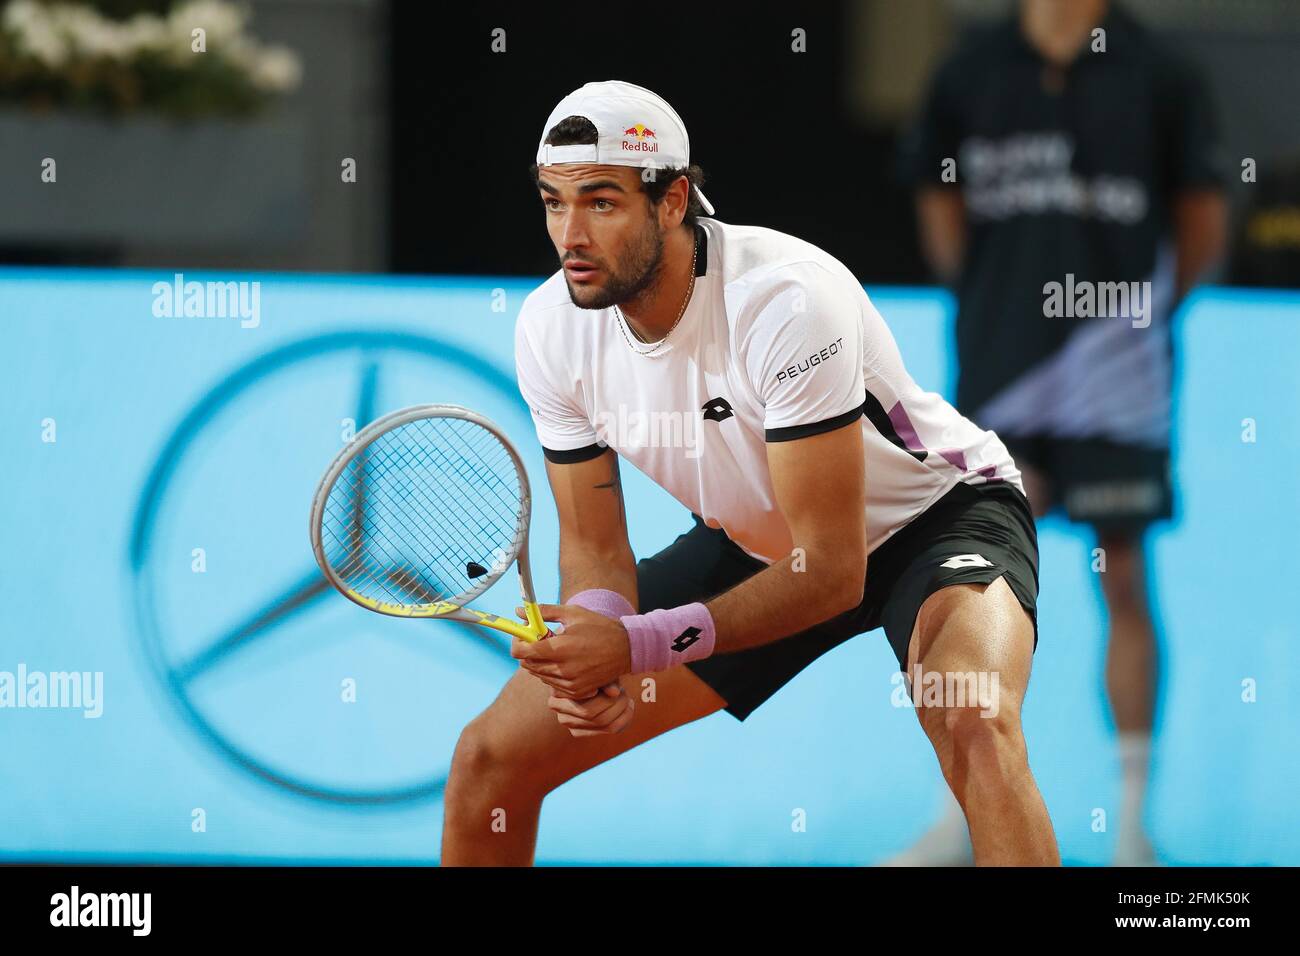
x: 534, y: 630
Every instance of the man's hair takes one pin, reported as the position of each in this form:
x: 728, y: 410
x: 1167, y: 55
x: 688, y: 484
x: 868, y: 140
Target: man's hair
x: 580, y: 131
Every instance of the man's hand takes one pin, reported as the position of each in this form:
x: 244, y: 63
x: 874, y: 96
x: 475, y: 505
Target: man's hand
x: 606, y: 713
x: 591, y: 652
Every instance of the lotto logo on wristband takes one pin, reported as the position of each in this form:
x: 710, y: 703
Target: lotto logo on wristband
x: 666, y: 638
x: 685, y: 639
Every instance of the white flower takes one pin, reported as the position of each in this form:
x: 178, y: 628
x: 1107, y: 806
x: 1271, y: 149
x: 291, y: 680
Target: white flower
x: 143, y: 33
x: 21, y: 14
x: 276, y: 69
x: 58, y: 33
x: 54, y: 34
x: 37, y: 33
x: 88, y: 33
x: 46, y: 46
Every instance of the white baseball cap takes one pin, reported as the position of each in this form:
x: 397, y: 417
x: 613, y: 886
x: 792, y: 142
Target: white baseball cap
x: 634, y: 127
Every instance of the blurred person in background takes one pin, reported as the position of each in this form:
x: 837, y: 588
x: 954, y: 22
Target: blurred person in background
x: 1060, y: 149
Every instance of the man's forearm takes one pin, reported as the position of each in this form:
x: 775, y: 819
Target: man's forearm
x: 780, y: 601
x: 941, y: 224
x: 1200, y: 236
x: 583, y: 569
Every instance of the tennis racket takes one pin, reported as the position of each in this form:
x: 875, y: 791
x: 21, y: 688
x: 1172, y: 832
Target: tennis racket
x: 424, y: 511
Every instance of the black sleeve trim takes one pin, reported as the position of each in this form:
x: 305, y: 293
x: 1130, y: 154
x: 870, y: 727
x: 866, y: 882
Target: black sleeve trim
x: 791, y: 432
x: 573, y: 456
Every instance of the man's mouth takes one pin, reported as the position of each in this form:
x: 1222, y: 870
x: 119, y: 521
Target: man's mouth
x: 580, y: 271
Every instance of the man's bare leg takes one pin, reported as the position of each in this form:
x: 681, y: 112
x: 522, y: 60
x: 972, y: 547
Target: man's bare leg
x: 980, y: 628
x: 947, y: 842
x: 1131, y: 673
x: 515, y: 752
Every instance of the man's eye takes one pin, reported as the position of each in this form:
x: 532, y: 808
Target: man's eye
x: 606, y: 202
x: 547, y: 203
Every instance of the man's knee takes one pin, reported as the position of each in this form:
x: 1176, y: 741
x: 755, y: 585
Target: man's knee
x: 982, y: 741
x: 485, y: 761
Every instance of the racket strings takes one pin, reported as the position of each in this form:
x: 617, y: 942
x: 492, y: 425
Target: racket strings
x: 470, y: 480
x: 506, y: 496
x: 375, y: 553
x: 411, y: 516
x: 467, y: 466
x: 370, y: 553
x: 363, y: 562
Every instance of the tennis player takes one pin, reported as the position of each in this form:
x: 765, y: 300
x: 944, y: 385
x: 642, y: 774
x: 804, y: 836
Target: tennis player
x: 747, y: 373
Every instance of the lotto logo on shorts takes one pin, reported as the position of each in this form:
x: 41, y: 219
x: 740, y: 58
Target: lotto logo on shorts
x: 967, y: 561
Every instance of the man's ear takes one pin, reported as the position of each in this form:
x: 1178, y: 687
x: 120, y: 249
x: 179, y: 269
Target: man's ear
x: 672, y: 208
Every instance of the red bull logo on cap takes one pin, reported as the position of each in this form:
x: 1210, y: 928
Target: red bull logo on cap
x: 641, y: 133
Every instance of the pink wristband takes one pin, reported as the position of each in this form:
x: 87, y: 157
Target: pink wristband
x: 666, y: 638
x: 609, y: 603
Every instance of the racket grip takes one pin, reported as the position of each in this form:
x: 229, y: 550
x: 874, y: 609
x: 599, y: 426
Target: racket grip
x: 533, y: 615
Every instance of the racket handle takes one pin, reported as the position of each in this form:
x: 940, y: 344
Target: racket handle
x: 533, y: 615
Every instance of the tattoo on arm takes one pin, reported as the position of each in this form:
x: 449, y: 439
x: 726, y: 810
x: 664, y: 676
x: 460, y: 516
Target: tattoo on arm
x: 615, y: 482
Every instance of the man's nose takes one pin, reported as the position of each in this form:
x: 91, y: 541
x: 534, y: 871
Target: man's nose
x: 574, y: 233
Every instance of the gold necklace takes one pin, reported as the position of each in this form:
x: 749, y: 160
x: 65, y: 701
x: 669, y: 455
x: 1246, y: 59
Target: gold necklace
x: 622, y: 322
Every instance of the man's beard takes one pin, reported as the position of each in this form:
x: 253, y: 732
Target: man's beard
x: 638, y: 270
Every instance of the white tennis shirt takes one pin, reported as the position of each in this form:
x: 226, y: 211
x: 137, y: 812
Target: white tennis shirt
x: 779, y: 341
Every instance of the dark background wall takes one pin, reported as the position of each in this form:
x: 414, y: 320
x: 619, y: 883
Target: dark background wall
x: 772, y: 129
x: 443, y: 129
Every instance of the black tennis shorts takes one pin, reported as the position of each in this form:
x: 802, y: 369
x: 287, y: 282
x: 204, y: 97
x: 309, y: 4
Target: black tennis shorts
x: 970, y: 535
x: 1113, y: 487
